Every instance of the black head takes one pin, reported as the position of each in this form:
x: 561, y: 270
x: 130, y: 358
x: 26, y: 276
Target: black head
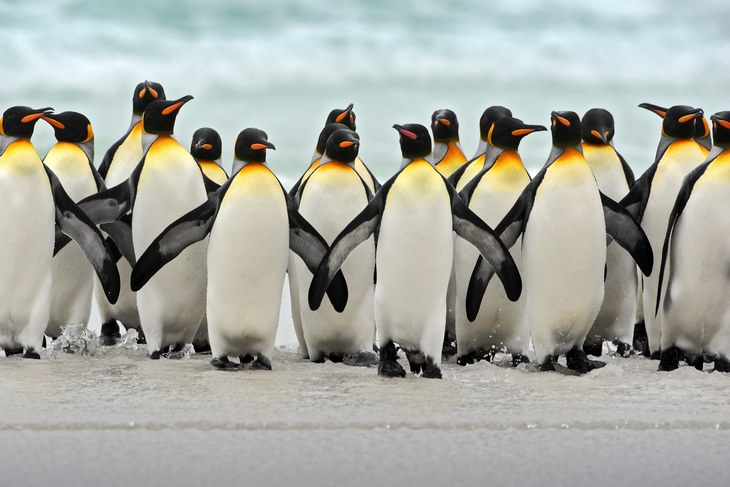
x: 251, y: 145
x: 328, y: 130
x: 343, y: 145
x: 721, y: 129
x: 206, y: 144
x: 344, y: 116
x: 445, y: 126
x: 415, y: 140
x: 144, y: 94
x: 679, y: 120
x: 20, y: 121
x: 597, y: 126
x: 507, y: 132
x: 70, y: 127
x: 566, y: 129
x: 159, y: 116
x: 702, y: 128
x: 489, y: 116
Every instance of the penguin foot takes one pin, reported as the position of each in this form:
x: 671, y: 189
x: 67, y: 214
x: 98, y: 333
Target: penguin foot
x: 222, y: 363
x: 548, y: 365
x: 362, y: 359
x: 31, y: 353
x: 449, y: 347
x: 246, y: 359
x: 389, y: 366
x: 518, y: 359
x: 336, y: 358
x: 44, y: 344
x: 669, y: 359
x: 376, y: 349
x: 261, y: 363
x: 623, y: 349
x: 431, y: 370
x: 109, y: 334
x: 467, y: 359
x: 202, y: 347
x: 722, y: 364
x: 657, y: 355
x: 699, y: 363
x: 415, y: 361
x: 156, y: 355
x: 595, y: 348
x: 141, y: 340
x: 320, y: 358
x: 641, y: 339
x: 578, y: 360
x: 12, y: 351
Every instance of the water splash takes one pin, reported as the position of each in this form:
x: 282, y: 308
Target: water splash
x: 183, y: 354
x: 74, y: 339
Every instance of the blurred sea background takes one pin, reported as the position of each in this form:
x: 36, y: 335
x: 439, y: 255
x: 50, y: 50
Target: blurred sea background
x: 282, y: 66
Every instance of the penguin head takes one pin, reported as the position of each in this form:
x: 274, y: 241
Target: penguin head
x: 159, y: 116
x: 702, y: 128
x: 488, y: 118
x: 344, y: 116
x: 444, y: 126
x: 343, y: 145
x: 597, y: 126
x: 566, y: 130
x: 415, y: 140
x: 144, y: 94
x: 206, y: 144
x: 324, y: 135
x: 251, y: 145
x: 70, y: 127
x: 20, y: 121
x: 679, y: 120
x: 721, y: 129
x: 507, y: 132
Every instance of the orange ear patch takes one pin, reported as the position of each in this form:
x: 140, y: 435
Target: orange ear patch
x: 172, y: 108
x: 141, y: 93
x: 408, y: 134
x: 32, y: 117
x: 153, y: 92
x: 724, y: 123
x: 596, y: 133
x: 54, y: 122
x: 206, y: 146
x: 346, y: 143
x: 444, y: 121
x: 258, y: 146
x: 90, y: 133
x: 687, y: 118
x: 518, y: 132
x: 563, y: 120
x: 341, y: 117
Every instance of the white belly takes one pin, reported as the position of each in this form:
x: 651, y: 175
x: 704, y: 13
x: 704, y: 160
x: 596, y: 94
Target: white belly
x: 26, y: 244
x: 332, y: 197
x: 680, y: 159
x: 564, y: 253
x: 172, y: 303
x: 247, y: 260
x: 413, y: 260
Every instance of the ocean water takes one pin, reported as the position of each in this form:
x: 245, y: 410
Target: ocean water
x: 282, y: 66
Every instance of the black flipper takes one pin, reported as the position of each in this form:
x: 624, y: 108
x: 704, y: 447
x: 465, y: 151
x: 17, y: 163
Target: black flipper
x: 121, y: 233
x: 107, y: 161
x: 635, y: 201
x: 74, y: 223
x: 682, y: 197
x: 376, y: 183
x: 355, y: 233
x: 60, y: 241
x: 627, y: 232
x: 473, y: 229
x: 455, y: 176
x: 190, y: 228
x: 307, y: 243
x: 628, y: 172
x: 110, y: 205
x: 210, y: 185
x: 508, y: 230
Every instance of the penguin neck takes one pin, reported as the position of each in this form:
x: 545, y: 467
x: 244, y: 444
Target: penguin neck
x: 408, y: 160
x: 239, y: 164
x: 327, y: 159
x: 491, y: 154
x: 705, y: 142
x: 135, y: 120
x: 5, y: 141
x: 556, y: 152
x: 147, y: 141
x: 317, y: 155
x: 481, y: 148
x: 88, y: 148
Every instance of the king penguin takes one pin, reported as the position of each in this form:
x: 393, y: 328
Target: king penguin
x: 563, y: 219
x: 473, y: 166
x: 71, y: 159
x: 651, y: 198
x: 118, y: 163
x: 414, y: 213
x: 501, y: 325
x: 206, y: 148
x: 252, y: 225
x: 166, y: 184
x: 447, y: 154
x: 329, y: 199
x: 617, y: 316
x: 34, y: 203
x: 695, y: 261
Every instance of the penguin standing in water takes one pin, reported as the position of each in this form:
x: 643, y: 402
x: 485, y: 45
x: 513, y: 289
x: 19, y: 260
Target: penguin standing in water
x: 415, y: 213
x: 651, y: 198
x: 501, y: 325
x: 252, y: 225
x: 206, y: 148
x: 617, y: 316
x: 166, y: 184
x: 471, y: 168
x: 71, y: 160
x: 563, y: 219
x: 695, y: 262
x: 32, y: 199
x: 329, y: 199
x: 118, y: 163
